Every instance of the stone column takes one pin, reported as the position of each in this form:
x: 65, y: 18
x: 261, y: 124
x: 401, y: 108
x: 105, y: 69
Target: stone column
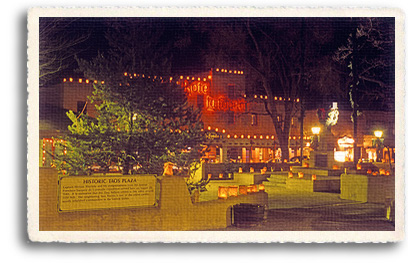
x: 223, y: 155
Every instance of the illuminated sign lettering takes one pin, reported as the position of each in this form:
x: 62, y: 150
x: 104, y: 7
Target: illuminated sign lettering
x: 223, y: 104
x: 199, y: 87
x: 212, y: 136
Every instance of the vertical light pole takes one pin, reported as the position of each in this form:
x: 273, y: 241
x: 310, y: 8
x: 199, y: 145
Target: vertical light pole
x: 316, y: 132
x: 379, y: 141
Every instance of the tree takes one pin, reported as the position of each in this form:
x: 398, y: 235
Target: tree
x: 57, y: 48
x: 368, y: 55
x: 143, y: 117
x: 278, y: 60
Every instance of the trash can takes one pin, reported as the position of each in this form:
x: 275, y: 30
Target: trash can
x: 247, y: 214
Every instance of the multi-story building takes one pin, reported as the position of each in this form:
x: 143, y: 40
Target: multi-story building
x: 236, y: 123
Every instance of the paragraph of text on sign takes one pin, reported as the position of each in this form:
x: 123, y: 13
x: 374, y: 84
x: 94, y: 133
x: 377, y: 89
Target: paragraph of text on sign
x: 85, y: 193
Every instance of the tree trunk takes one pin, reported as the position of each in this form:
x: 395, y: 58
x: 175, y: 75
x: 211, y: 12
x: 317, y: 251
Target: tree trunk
x: 285, y: 150
x: 354, y: 92
x: 355, y: 135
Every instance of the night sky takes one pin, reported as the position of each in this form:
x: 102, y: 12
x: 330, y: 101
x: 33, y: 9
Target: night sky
x: 192, y: 36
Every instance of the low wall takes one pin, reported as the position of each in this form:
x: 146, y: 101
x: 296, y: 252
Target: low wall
x: 326, y: 180
x: 216, y: 168
x: 367, y: 188
x: 322, y: 184
x: 174, y: 212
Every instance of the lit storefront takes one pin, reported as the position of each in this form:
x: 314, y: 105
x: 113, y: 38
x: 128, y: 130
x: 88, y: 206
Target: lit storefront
x: 345, y: 153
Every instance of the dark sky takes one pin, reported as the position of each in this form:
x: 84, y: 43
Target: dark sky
x: 189, y: 57
x: 193, y: 34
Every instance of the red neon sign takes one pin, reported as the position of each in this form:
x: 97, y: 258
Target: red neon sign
x: 223, y: 103
x: 199, y: 87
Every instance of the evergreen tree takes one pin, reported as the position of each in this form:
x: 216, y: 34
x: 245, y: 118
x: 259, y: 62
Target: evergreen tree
x: 143, y: 119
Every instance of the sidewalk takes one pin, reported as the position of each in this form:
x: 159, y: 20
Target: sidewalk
x: 290, y: 210
x: 282, y: 198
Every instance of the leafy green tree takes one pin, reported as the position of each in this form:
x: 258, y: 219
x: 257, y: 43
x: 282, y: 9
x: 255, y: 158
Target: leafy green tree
x: 143, y: 119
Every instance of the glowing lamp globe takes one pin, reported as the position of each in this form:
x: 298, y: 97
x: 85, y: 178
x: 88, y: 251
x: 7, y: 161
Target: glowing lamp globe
x: 315, y: 130
x: 378, y: 134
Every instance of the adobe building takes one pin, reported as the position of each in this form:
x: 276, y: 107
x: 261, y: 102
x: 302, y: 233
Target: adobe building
x: 238, y: 129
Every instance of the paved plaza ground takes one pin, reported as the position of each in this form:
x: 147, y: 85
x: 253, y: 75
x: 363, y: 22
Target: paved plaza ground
x: 317, y: 211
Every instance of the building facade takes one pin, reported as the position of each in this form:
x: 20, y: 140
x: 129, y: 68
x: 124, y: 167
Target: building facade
x: 237, y: 127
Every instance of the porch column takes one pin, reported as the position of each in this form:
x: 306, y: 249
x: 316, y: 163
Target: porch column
x: 223, y: 155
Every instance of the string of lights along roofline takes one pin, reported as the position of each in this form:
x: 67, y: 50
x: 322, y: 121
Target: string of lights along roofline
x: 192, y: 78
x: 248, y: 136
x: 170, y: 79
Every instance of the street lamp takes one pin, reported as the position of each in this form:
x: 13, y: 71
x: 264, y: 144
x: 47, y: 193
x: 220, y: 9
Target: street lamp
x: 315, y: 140
x: 378, y: 144
x: 378, y: 134
x: 316, y: 130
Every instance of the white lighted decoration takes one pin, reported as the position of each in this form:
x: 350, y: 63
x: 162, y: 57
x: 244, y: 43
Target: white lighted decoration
x: 340, y: 156
x: 333, y: 115
x: 346, y: 142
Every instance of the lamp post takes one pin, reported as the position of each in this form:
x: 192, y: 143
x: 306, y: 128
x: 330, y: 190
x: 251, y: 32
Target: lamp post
x: 315, y: 141
x: 378, y: 143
